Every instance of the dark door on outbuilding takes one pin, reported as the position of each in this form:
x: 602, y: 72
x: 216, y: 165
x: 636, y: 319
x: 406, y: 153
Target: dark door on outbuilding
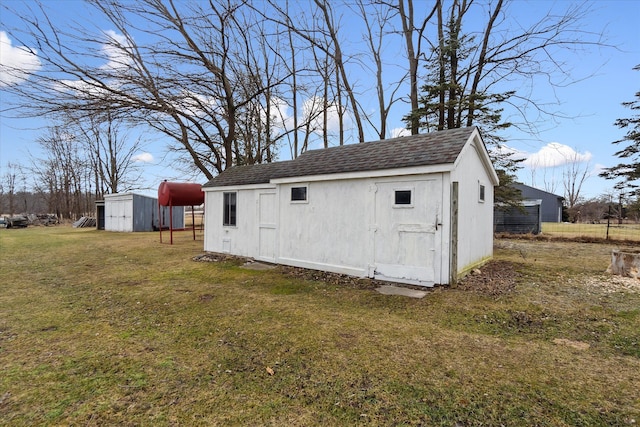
x: 100, y: 215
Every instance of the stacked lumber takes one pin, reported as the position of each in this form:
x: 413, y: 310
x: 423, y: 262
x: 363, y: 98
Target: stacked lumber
x: 85, y: 221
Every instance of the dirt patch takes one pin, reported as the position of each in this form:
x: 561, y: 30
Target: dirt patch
x: 613, y: 283
x: 205, y: 297
x: 300, y: 273
x: 330, y: 278
x: 496, y: 278
x: 218, y: 257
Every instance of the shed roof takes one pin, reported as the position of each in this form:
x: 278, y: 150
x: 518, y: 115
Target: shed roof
x: 429, y: 149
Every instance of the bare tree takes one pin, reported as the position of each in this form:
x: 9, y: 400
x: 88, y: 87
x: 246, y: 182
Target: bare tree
x: 63, y: 173
x: 332, y: 28
x: 321, y: 33
x: 377, y: 17
x: 110, y: 151
x: 9, y: 188
x: 192, y: 82
x: 471, y: 84
x: 305, y: 78
x: 228, y: 81
x: 545, y: 174
x: 573, y: 176
x: 414, y: 37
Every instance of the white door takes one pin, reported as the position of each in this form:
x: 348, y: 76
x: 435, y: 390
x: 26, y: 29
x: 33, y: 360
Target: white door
x: 267, y: 226
x: 408, y: 229
x: 119, y: 215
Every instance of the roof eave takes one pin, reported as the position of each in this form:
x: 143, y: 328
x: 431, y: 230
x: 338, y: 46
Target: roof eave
x: 233, y: 187
x: 379, y: 173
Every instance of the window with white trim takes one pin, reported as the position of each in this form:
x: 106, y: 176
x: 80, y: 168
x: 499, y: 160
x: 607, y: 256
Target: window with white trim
x: 481, y: 193
x: 229, y: 204
x: 403, y: 198
x: 299, y: 194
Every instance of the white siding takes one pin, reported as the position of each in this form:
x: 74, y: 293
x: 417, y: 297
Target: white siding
x: 330, y: 230
x: 348, y: 226
x: 475, y: 217
x: 241, y: 239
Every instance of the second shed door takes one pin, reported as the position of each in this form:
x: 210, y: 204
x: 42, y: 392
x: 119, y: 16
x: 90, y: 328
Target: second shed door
x: 267, y: 226
x: 407, y: 242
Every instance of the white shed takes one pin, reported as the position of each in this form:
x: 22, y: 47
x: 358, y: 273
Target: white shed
x: 415, y: 209
x: 135, y: 212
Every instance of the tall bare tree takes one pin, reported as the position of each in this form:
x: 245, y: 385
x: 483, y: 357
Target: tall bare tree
x: 574, y: 174
x: 63, y: 173
x: 9, y: 188
x: 414, y: 35
x: 192, y: 82
x: 109, y: 149
x: 377, y: 18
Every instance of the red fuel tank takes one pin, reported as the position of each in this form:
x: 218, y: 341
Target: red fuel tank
x: 180, y: 194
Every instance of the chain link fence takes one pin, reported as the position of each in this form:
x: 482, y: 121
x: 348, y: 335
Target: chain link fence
x: 607, y: 231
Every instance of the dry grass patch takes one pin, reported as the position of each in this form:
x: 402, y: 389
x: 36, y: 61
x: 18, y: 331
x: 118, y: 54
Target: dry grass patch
x: 102, y: 328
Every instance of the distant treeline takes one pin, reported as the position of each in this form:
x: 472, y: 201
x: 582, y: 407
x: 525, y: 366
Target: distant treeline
x: 64, y: 206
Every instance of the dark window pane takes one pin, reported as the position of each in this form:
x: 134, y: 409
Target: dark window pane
x: 298, y: 193
x: 482, y: 193
x: 229, y: 209
x: 403, y: 197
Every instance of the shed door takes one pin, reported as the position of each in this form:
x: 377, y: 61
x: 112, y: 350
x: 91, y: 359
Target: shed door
x: 408, y: 229
x: 119, y: 215
x: 267, y: 226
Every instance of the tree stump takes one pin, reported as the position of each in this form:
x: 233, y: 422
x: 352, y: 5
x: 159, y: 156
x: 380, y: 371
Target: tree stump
x: 625, y: 263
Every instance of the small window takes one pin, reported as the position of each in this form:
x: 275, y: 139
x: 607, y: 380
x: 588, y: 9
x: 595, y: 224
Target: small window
x: 229, y: 216
x: 403, y: 197
x: 298, y: 194
x: 481, y: 195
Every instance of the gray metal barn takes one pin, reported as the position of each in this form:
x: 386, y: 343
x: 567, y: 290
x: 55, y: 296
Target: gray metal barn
x: 550, y: 204
x: 523, y: 220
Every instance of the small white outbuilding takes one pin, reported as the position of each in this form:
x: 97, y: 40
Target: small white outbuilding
x: 128, y: 212
x: 415, y: 209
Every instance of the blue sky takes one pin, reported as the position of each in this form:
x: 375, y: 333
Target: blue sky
x: 593, y: 104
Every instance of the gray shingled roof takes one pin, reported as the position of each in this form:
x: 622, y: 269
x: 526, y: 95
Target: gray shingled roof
x: 417, y: 150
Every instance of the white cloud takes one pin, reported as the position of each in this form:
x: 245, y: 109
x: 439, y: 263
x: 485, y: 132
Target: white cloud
x: 556, y: 154
x: 312, y: 109
x: 396, y: 132
x: 79, y: 88
x: 115, y: 49
x: 143, y: 158
x: 506, y: 151
x: 281, y: 114
x: 16, y: 62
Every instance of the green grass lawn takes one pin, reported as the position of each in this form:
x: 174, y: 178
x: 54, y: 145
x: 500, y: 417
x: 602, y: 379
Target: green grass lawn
x: 100, y: 328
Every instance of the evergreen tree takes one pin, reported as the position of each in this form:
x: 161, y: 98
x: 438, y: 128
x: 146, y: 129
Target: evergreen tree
x: 628, y: 171
x: 453, y: 97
